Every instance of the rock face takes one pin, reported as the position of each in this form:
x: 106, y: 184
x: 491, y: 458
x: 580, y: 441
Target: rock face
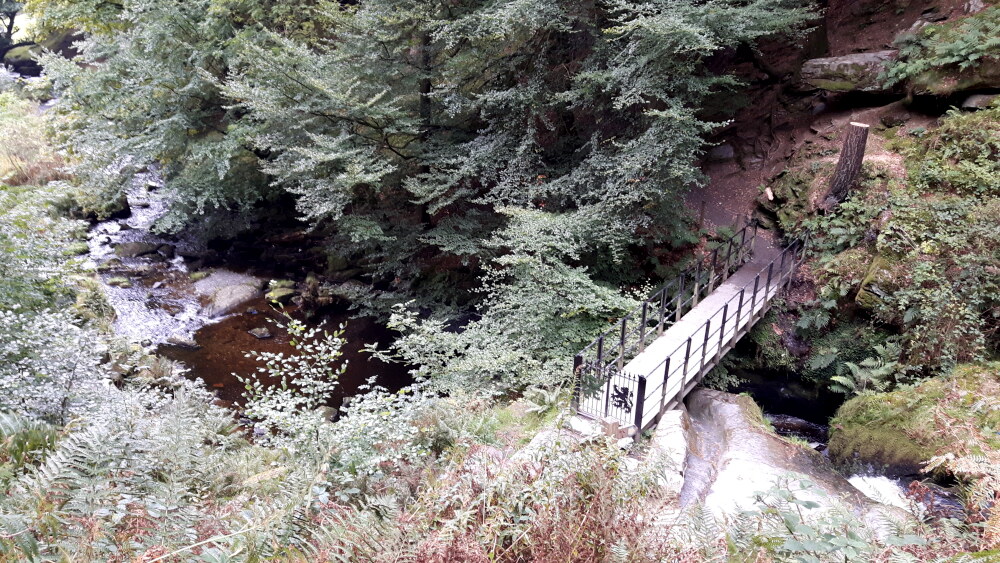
x: 669, y: 448
x: 858, y: 72
x: 226, y: 291
x: 733, y: 456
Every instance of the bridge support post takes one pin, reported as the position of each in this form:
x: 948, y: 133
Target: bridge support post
x: 663, y: 388
x: 640, y: 401
x: 753, y: 301
x: 739, y: 315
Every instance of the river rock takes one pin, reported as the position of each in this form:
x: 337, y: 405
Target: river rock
x: 858, y: 72
x: 183, y: 341
x: 167, y: 250
x: 226, y: 291
x: 260, y: 333
x: 733, y: 457
x: 135, y: 249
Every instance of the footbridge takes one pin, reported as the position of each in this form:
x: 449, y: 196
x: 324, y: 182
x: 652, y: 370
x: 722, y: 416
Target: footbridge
x: 652, y: 358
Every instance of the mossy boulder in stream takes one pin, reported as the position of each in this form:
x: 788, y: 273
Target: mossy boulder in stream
x: 902, y: 429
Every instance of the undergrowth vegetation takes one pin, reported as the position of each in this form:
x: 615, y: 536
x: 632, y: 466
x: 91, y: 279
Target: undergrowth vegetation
x: 906, y: 273
x: 950, y: 56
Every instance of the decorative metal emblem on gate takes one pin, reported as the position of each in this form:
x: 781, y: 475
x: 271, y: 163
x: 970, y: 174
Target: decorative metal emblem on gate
x: 622, y: 398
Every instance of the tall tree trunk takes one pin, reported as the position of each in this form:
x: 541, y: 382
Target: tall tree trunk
x: 9, y: 31
x: 849, y: 165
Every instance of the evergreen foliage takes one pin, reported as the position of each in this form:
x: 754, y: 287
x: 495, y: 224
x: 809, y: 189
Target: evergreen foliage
x: 404, y: 128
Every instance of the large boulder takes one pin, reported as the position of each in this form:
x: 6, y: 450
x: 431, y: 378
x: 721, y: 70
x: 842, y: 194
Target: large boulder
x: 24, y: 60
x: 734, y: 456
x: 668, y: 449
x: 226, y: 291
x: 858, y: 72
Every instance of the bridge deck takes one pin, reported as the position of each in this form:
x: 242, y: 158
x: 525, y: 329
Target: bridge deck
x: 701, y: 325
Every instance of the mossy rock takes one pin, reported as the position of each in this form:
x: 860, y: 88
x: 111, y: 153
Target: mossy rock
x: 281, y: 295
x: 903, y: 429
x: 77, y: 249
x: 119, y: 281
x: 857, y: 72
x: 795, y: 192
x: 24, y: 59
x: 850, y: 266
x: 281, y: 284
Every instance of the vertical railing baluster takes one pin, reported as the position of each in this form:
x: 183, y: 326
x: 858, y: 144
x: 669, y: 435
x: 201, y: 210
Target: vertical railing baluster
x: 607, y: 394
x: 577, y: 380
x: 687, y: 356
x: 710, y: 285
x: 640, y: 402
x: 680, y: 301
x: 663, y: 312
x: 621, y: 349
x: 767, y: 287
x: 697, y: 283
x: 704, y: 346
x: 753, y: 300
x: 739, y: 311
x: 600, y: 354
x: 663, y: 388
x: 743, y: 244
x: 722, y: 331
x: 642, y: 329
x: 729, y: 256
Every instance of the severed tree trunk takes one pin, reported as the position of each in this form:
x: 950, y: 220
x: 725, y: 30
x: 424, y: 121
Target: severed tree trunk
x: 849, y: 165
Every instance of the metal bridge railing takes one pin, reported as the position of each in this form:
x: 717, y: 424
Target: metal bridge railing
x: 602, y: 389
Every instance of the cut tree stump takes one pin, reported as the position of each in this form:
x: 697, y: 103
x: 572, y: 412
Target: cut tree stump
x: 848, y: 167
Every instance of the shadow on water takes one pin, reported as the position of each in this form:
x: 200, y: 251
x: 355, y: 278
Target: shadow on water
x: 783, y: 393
x: 793, y: 406
x: 226, y: 344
